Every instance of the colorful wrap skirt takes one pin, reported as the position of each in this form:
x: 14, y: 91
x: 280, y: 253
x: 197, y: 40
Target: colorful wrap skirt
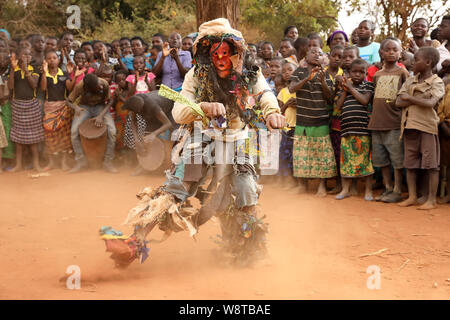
x: 8, y: 152
x: 57, y: 124
x: 356, y: 158
x: 26, y: 122
x: 3, y: 139
x: 313, y: 155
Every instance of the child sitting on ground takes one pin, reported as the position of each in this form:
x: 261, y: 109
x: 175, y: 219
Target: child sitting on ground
x: 355, y: 156
x: 419, y: 97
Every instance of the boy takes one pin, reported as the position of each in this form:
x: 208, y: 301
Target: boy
x: 312, y: 153
x: 349, y: 54
x: 275, y: 69
x: 419, y: 97
x: 368, y: 50
x: 94, y: 93
x: 387, y: 149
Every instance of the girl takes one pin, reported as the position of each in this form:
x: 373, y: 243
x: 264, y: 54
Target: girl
x: 81, y: 68
x: 267, y: 53
x: 120, y: 96
x: 26, y: 113
x: 312, y: 152
x: 89, y: 51
x: 57, y: 116
x: 140, y: 82
x: 355, y: 159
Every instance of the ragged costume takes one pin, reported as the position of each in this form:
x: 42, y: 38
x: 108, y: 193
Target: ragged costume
x: 224, y: 181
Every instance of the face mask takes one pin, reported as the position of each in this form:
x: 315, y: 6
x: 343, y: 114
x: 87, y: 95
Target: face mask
x: 221, y: 59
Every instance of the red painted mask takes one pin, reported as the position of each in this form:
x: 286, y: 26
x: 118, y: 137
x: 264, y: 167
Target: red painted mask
x: 221, y: 59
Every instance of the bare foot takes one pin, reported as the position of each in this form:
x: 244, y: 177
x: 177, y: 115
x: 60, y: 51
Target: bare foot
x: 427, y: 205
x: 301, y: 188
x: 16, y: 169
x: 321, y: 192
x: 335, y: 190
x: 65, y: 166
x: 444, y: 200
x: 422, y: 199
x: 354, y: 190
x: 408, y: 202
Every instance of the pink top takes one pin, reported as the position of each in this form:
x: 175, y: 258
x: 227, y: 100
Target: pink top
x: 81, y: 76
x: 141, y: 86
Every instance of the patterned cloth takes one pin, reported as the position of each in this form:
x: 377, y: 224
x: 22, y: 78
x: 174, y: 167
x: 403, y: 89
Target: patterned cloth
x: 26, y: 122
x: 286, y: 161
x: 9, y: 152
x: 335, y: 137
x: 141, y: 128
x: 313, y: 157
x: 356, y: 159
x: 3, y: 140
x: 59, y: 140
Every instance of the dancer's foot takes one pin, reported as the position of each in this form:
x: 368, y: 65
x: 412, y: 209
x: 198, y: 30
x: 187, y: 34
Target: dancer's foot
x: 408, y: 202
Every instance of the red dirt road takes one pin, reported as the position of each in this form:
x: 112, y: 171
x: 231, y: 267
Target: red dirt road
x: 49, y: 223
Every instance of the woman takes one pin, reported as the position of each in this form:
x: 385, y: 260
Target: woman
x: 337, y: 38
x: 419, y: 30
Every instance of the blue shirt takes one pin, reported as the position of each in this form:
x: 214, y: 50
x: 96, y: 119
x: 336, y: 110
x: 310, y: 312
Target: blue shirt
x: 171, y: 76
x: 370, y: 53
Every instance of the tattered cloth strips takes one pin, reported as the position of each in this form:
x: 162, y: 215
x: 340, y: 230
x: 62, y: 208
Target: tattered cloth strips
x: 157, y: 206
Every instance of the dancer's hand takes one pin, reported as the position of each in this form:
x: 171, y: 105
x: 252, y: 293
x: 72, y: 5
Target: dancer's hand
x: 275, y: 121
x: 213, y: 109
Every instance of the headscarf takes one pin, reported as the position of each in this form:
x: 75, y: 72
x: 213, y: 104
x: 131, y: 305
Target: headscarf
x: 330, y: 38
x: 6, y: 32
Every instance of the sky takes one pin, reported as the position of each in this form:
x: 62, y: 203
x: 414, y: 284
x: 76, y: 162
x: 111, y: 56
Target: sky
x: 349, y: 23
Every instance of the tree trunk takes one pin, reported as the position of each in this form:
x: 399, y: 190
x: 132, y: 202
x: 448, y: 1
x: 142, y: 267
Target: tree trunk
x: 212, y: 9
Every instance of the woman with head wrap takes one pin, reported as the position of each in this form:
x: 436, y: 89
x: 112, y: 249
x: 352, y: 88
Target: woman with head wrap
x: 337, y: 38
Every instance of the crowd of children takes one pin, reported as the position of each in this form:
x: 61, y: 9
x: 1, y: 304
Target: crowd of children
x: 369, y: 110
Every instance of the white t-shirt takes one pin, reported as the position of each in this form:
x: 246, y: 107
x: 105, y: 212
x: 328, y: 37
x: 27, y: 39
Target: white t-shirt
x: 370, y: 53
x: 444, y: 54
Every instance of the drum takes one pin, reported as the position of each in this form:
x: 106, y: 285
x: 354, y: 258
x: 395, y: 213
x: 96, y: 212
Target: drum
x: 93, y: 141
x: 156, y: 155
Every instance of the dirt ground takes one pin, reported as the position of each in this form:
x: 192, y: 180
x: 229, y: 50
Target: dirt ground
x: 315, y: 246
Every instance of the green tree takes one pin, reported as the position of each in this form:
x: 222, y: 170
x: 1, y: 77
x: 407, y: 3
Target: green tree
x: 272, y: 16
x: 394, y: 17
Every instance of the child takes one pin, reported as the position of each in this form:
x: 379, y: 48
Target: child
x: 301, y: 46
x: 275, y: 69
x: 288, y: 104
x: 287, y: 51
x: 89, y: 51
x: 368, y: 50
x: 154, y: 55
x: 137, y: 46
x: 67, y: 53
x: 26, y: 112
x: 186, y: 44
x: 267, y: 52
x: 57, y: 115
x: 315, y: 41
x: 407, y: 59
x: 312, y: 152
x: 127, y: 58
x: 95, y: 102
x: 444, y: 137
x: 119, y: 97
x: 387, y: 149
x: 349, y: 55
x: 355, y: 158
x: 335, y: 72
x: 140, y: 82
x: 279, y: 83
x: 38, y: 51
x: 419, y: 97
x: 78, y: 71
